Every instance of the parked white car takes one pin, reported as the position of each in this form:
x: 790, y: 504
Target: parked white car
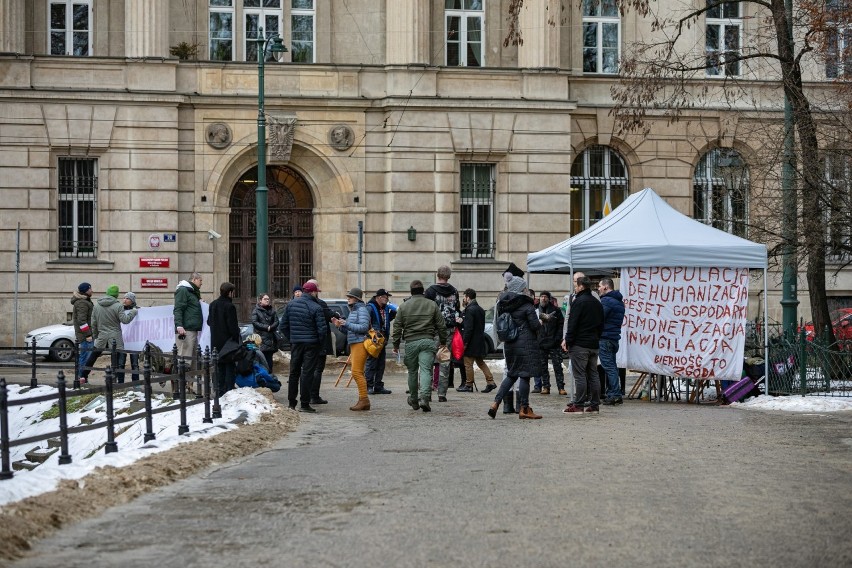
x: 53, y: 341
x: 492, y: 341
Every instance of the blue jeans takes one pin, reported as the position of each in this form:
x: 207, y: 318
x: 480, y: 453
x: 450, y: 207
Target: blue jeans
x: 119, y: 366
x: 608, y: 349
x: 83, y: 355
x: 375, y: 370
x: 506, y: 387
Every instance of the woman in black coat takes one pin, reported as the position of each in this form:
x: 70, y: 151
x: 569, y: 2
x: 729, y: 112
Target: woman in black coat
x: 265, y: 323
x: 523, y: 359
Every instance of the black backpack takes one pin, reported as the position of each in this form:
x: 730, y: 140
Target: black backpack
x: 507, y: 329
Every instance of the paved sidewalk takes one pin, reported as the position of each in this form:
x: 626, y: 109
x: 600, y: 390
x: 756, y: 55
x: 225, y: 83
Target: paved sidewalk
x: 643, y: 484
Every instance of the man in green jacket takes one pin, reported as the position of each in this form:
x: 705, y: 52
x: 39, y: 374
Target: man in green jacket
x: 188, y: 318
x: 418, y: 321
x: 107, y: 316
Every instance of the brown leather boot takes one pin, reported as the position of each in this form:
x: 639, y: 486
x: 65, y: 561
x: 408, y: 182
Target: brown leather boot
x: 527, y: 412
x: 362, y: 404
x: 545, y: 390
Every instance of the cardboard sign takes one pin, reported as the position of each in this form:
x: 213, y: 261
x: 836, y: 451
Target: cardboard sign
x: 153, y: 262
x: 684, y: 321
x: 154, y: 282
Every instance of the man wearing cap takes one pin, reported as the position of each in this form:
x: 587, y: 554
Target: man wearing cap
x: 107, y: 316
x: 304, y: 325
x: 324, y: 348
x: 81, y: 317
x: 418, y: 321
x: 128, y: 303
x: 356, y: 326
x: 381, y: 315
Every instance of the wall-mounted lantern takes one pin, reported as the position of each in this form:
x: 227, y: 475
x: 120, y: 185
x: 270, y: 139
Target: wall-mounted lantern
x: 412, y: 233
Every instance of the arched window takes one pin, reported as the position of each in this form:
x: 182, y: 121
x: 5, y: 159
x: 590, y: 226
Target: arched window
x: 721, y: 188
x: 598, y: 185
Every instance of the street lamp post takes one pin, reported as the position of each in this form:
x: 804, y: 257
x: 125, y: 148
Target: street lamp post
x: 264, y: 45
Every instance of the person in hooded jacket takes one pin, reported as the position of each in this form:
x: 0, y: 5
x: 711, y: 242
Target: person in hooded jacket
x: 265, y: 323
x: 81, y: 317
x: 356, y: 327
x: 129, y: 303
x: 188, y: 316
x: 222, y: 320
x: 523, y: 359
x: 107, y: 316
x: 613, y: 312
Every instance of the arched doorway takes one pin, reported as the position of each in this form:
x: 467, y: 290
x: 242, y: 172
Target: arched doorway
x: 291, y: 236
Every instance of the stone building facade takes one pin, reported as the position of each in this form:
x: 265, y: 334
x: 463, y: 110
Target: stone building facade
x: 405, y: 128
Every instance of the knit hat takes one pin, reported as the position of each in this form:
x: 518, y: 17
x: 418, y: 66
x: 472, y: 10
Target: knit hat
x: 130, y: 296
x: 297, y: 288
x: 112, y: 291
x: 516, y: 285
x: 84, y: 287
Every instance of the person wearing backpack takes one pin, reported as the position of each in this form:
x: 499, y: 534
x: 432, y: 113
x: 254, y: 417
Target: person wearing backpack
x: 447, y: 297
x: 523, y: 359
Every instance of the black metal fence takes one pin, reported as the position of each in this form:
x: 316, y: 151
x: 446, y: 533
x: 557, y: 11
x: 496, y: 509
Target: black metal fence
x: 206, y: 392
x: 801, y: 363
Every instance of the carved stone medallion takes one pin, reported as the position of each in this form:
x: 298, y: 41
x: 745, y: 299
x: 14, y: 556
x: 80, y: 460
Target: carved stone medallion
x: 218, y: 135
x: 341, y: 137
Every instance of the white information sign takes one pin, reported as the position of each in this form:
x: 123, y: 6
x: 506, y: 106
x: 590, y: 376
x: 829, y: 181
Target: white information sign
x: 684, y: 321
x: 157, y: 325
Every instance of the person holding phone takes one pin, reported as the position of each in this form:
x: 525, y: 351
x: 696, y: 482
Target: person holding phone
x: 356, y: 327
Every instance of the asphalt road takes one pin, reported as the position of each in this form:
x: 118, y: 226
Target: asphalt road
x: 644, y: 484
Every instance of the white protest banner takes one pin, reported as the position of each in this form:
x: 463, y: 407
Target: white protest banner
x: 684, y: 321
x: 157, y: 325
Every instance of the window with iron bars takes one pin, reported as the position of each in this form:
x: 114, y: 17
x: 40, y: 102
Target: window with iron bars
x: 477, y: 210
x: 720, y: 191
x: 838, y: 196
x: 77, y: 207
x: 598, y: 185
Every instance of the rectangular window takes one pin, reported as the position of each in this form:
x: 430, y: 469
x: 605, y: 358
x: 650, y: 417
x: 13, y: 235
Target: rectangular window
x: 70, y: 27
x: 838, y: 170
x: 464, y: 21
x: 601, y: 36
x: 477, y: 210
x: 259, y: 15
x: 77, y: 207
x: 221, y: 20
x: 303, y: 22
x: 723, y: 39
x: 838, y: 57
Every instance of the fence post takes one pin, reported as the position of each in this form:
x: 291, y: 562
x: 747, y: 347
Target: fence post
x: 197, y: 376
x: 207, y: 418
x: 64, y: 456
x: 217, y: 409
x: 146, y: 373
x: 76, y: 363
x: 110, y: 446
x: 174, y: 370
x: 6, y: 471
x: 183, y: 428
x: 803, y: 361
x: 33, y: 380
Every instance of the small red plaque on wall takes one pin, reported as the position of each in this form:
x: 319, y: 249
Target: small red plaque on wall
x: 155, y: 282
x: 153, y: 262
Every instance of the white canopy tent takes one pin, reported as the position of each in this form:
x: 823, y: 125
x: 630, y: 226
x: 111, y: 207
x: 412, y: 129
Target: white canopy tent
x: 645, y: 231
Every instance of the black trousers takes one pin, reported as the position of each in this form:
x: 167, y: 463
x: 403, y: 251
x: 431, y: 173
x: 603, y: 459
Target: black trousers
x: 303, y: 365
x: 320, y: 367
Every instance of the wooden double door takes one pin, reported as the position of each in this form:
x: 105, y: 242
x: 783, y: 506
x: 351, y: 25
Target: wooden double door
x: 291, y: 241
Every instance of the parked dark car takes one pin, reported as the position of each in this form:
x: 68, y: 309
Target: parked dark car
x: 339, y: 347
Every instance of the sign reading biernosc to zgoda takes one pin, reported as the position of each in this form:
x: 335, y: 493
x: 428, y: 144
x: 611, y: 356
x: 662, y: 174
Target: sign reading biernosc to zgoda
x: 684, y: 321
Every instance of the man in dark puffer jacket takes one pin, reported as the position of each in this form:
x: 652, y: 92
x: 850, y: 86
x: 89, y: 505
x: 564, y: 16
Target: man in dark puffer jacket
x: 582, y: 340
x: 303, y: 323
x: 613, y: 309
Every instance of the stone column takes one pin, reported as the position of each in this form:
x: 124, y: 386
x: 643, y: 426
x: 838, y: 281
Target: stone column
x: 12, y: 25
x: 540, y: 22
x: 146, y: 25
x: 407, y: 32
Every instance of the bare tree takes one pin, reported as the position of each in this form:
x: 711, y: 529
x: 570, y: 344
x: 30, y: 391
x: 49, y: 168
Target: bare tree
x: 666, y: 73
